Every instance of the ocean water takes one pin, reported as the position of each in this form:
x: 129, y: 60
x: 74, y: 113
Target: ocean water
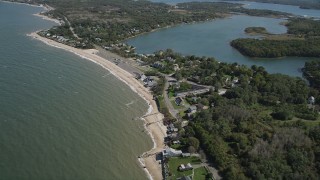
x: 61, y: 116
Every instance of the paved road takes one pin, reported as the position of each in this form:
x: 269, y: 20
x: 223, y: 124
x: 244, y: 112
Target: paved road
x: 213, y: 170
x: 71, y: 29
x: 171, y: 109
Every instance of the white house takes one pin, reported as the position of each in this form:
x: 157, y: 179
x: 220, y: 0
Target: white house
x: 186, y: 167
x: 192, y: 109
x: 169, y: 152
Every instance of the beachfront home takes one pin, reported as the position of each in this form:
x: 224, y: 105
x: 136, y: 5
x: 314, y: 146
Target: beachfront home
x: 148, y: 81
x: 169, y: 152
x: 143, y: 77
x: 171, y: 128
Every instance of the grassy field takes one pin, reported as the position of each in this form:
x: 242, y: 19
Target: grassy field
x: 200, y: 173
x: 175, y: 162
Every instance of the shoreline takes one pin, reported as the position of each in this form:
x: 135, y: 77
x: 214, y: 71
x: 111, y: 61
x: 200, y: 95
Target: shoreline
x: 47, y: 18
x: 152, y: 118
x: 21, y: 3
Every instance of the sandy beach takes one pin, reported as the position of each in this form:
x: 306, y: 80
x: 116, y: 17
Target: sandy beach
x: 153, y: 119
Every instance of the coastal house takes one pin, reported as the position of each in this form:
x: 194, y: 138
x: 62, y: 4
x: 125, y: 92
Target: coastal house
x: 176, y: 67
x: 186, y: 154
x: 192, y: 109
x: 184, y: 123
x: 222, y: 91
x: 170, y: 59
x: 311, y: 100
x: 171, y: 128
x: 190, y: 116
x: 182, y: 167
x: 157, y: 65
x: 172, y: 136
x: 175, y: 85
x: 235, y: 80
x: 192, y: 92
x: 148, y: 81
x: 143, y: 77
x: 186, y: 167
x: 151, y: 83
x: 177, y: 142
x: 178, y: 101
x: 170, y: 152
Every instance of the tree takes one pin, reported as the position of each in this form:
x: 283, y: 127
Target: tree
x: 194, y: 142
x: 191, y: 149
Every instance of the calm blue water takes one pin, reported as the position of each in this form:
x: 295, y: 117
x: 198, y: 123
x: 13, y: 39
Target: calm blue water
x: 212, y: 39
x: 62, y: 117
x: 283, y: 8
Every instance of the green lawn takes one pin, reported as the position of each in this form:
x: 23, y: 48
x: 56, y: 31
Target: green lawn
x: 175, y: 106
x: 175, y: 162
x: 200, y: 173
x: 182, y: 113
x: 176, y: 146
x: 171, y: 94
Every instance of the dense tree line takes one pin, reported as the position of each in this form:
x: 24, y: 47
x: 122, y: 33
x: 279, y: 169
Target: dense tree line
x: 304, y: 27
x: 311, y: 71
x: 277, y: 48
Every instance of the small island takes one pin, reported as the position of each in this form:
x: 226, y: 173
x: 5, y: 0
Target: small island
x: 256, y: 31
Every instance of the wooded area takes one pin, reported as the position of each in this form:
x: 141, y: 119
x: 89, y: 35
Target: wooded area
x: 263, y: 127
x: 303, y: 40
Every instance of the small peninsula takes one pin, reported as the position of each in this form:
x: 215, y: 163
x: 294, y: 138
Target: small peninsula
x: 302, y: 39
